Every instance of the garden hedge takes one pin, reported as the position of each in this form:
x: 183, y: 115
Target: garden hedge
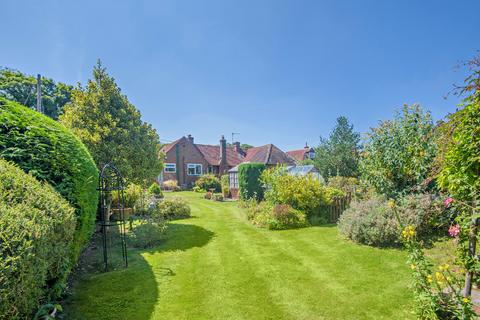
x: 36, y: 233
x: 51, y: 153
x: 249, y: 180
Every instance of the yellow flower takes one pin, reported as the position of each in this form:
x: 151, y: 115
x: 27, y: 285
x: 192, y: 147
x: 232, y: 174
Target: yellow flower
x: 413, y: 267
x: 429, y: 279
x: 466, y: 300
x: 408, y: 233
x: 391, y: 204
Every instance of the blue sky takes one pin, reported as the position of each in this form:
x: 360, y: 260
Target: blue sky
x: 274, y: 71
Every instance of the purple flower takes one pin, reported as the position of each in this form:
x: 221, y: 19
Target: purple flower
x: 454, y: 231
x: 448, y: 201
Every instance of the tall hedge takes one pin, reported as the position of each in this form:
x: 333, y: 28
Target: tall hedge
x: 249, y: 180
x: 51, y: 153
x: 36, y: 233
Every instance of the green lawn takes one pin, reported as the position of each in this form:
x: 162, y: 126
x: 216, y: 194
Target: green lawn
x: 216, y: 265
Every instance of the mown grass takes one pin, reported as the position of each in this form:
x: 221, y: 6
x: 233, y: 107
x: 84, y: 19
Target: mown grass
x: 216, y: 265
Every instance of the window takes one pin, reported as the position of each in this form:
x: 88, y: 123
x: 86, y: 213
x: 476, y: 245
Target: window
x: 194, y: 169
x: 170, y: 167
x: 233, y: 180
x: 311, y: 154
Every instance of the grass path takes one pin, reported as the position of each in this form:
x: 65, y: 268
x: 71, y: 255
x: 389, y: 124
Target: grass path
x: 215, y: 265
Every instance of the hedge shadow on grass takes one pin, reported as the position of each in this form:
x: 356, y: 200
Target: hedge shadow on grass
x: 183, y: 237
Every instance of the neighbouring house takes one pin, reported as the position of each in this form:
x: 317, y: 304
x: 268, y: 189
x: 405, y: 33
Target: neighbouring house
x: 186, y: 160
x: 307, y: 153
x: 268, y: 154
x: 305, y: 170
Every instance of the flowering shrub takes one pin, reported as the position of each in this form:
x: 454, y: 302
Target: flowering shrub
x: 171, y: 185
x: 225, y: 182
x: 208, y: 182
x: 275, y: 217
x: 173, y: 208
x: 146, y: 233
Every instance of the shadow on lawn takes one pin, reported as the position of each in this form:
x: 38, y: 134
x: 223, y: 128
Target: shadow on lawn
x: 183, y: 237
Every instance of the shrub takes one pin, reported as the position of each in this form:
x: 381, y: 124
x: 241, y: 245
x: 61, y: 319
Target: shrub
x: 51, y: 153
x: 249, y: 180
x: 399, y: 154
x: 208, y: 182
x: 197, y: 189
x: 303, y: 193
x: 173, y: 208
x: 225, y: 182
x: 147, y: 233
x: 133, y: 193
x: 155, y: 190
x: 217, y: 197
x: 36, y: 235
x: 276, y: 217
x: 208, y: 195
x: 374, y: 221
x: 171, y: 185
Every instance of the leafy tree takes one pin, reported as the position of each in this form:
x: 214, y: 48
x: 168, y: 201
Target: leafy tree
x: 19, y: 87
x: 459, y: 156
x: 399, y: 153
x: 338, y: 155
x: 112, y: 129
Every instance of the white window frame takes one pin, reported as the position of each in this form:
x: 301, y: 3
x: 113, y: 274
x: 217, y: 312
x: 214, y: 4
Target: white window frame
x: 194, y: 166
x: 233, y: 177
x: 170, y: 166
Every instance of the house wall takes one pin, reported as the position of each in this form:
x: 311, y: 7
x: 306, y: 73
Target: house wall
x: 187, y: 153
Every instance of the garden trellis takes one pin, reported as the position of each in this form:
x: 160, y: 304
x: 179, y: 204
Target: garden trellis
x: 112, y: 212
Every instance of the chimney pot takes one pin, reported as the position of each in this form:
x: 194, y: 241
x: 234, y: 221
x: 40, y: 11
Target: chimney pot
x: 190, y: 138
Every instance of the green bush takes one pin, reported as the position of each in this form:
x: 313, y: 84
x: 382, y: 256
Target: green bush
x: 173, y: 208
x: 208, y: 182
x: 225, y: 182
x: 217, y: 197
x: 303, y: 193
x: 374, y: 221
x: 249, y: 180
x: 197, y: 189
x: 155, y: 190
x: 275, y: 217
x: 51, y: 153
x: 36, y: 235
x: 147, y: 233
x: 133, y: 193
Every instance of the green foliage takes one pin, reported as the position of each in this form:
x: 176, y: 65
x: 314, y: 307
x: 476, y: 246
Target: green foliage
x: 304, y: 193
x: 197, y: 189
x: 217, y: 197
x: 338, y: 155
x: 249, y: 180
x: 225, y: 182
x: 173, y: 208
x: 460, y: 156
x: 147, y: 233
x: 48, y: 151
x: 398, y: 155
x: 155, y: 190
x: 171, y: 185
x: 21, y: 88
x: 207, y: 182
x: 133, y: 193
x: 112, y: 128
x: 36, y: 236
x: 375, y: 222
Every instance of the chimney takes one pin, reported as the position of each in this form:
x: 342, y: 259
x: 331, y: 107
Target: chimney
x: 238, y: 149
x: 190, y: 138
x: 223, y: 155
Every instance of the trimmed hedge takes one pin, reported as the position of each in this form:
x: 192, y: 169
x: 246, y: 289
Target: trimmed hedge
x: 51, y: 153
x: 36, y: 234
x: 249, y: 180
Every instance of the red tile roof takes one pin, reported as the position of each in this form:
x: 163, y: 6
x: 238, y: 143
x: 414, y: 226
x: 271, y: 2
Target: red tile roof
x: 298, y: 155
x: 268, y: 154
x: 212, y: 155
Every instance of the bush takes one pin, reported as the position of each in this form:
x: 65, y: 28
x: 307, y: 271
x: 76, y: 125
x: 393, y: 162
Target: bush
x: 217, y: 197
x: 374, y: 221
x: 51, y: 153
x: 208, y: 182
x: 225, y: 182
x: 155, y: 190
x: 249, y: 180
x: 303, y: 193
x: 36, y: 236
x: 197, y: 189
x: 275, y: 217
x: 208, y: 195
x: 133, y: 193
x: 147, y: 233
x: 173, y: 208
x: 171, y: 185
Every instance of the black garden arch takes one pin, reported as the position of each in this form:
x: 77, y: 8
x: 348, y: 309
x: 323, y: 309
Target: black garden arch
x: 112, y: 215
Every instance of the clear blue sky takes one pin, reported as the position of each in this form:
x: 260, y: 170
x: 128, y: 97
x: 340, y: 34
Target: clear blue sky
x: 275, y: 71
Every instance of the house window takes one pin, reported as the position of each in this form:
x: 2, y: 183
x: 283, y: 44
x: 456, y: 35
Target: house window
x: 170, y: 167
x: 194, y: 169
x: 233, y: 180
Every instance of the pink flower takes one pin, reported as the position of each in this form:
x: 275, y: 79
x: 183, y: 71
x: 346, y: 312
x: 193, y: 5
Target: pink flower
x: 448, y: 201
x: 453, y: 231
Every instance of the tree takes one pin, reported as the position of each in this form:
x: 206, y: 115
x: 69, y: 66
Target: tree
x: 338, y: 155
x: 398, y: 155
x: 19, y: 87
x: 112, y: 129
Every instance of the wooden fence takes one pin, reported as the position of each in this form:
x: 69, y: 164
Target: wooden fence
x: 339, y: 204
